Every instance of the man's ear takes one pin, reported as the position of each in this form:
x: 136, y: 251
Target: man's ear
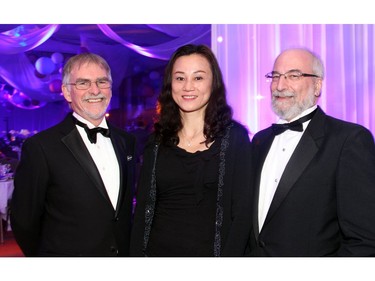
x: 66, y: 93
x: 318, y: 87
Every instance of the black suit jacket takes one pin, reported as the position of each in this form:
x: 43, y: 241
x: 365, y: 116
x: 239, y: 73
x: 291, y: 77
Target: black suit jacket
x: 324, y: 204
x: 60, y: 206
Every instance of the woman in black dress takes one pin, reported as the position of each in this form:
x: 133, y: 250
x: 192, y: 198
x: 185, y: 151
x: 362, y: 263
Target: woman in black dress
x: 194, y: 192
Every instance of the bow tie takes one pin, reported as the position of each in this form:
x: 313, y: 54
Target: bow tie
x: 294, y: 126
x: 91, y: 133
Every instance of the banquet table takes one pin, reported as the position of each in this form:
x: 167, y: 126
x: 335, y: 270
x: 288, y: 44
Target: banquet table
x: 6, y: 191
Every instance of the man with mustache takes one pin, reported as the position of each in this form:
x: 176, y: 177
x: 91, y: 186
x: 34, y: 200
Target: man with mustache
x: 74, y: 184
x: 315, y: 175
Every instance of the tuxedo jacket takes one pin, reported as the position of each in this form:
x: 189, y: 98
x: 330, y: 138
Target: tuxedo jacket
x: 324, y: 204
x: 60, y: 206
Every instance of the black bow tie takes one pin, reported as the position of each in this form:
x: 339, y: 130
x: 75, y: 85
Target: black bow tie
x: 294, y: 126
x: 91, y: 133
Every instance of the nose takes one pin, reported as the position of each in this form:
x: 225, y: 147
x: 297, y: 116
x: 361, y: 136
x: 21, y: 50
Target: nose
x: 281, y: 84
x: 94, y: 88
x: 189, y: 85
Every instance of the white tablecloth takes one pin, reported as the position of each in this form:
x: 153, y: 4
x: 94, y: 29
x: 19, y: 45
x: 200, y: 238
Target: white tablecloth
x: 6, y: 190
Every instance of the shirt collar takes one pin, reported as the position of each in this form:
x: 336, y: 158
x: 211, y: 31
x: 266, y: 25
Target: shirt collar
x: 304, y: 113
x: 102, y: 124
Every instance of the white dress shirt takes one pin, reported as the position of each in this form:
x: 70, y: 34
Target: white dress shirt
x: 104, y: 156
x: 277, y: 158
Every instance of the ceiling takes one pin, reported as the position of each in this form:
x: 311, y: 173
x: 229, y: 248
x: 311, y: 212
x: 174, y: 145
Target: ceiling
x: 130, y: 49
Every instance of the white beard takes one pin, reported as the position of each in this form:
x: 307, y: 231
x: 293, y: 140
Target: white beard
x: 293, y: 110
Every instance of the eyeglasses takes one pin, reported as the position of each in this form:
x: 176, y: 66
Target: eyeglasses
x: 292, y: 75
x: 84, y: 84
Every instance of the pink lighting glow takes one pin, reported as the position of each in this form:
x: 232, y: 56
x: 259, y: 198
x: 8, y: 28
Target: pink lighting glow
x: 346, y: 49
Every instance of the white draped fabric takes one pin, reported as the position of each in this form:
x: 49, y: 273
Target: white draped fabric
x: 246, y: 53
x: 17, y: 70
x: 165, y: 50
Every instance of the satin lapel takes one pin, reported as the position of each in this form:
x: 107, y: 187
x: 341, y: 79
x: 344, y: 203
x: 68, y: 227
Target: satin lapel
x: 301, y: 157
x: 75, y: 144
x: 119, y: 148
x: 261, y: 147
x: 119, y: 145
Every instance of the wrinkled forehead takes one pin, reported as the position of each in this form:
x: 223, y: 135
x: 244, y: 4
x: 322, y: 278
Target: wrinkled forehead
x: 293, y: 60
x: 87, y: 64
x: 89, y: 68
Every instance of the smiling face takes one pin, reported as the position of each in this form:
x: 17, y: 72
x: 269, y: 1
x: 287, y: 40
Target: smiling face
x: 191, y: 83
x: 92, y: 103
x: 291, y: 98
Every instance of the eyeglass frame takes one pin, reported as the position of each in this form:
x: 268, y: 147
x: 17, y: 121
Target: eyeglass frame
x: 90, y: 83
x: 287, y: 77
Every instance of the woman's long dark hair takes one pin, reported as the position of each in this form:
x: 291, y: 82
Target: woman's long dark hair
x: 218, y: 113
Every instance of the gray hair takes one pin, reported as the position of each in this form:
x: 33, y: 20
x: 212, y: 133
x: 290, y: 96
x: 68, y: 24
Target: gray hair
x: 81, y: 59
